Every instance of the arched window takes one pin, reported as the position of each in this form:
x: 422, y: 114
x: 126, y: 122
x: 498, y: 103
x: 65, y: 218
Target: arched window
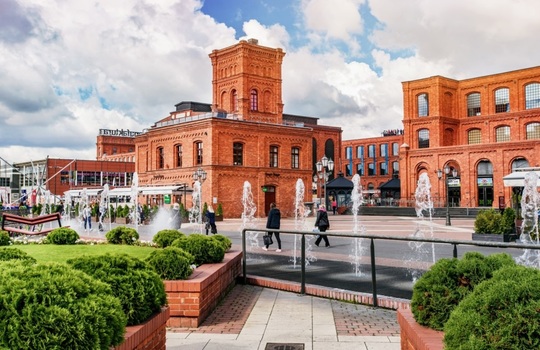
x: 532, y: 96
x: 160, y: 156
x: 485, y: 168
x: 423, y: 105
x: 502, y: 100
x: 178, y: 156
x: 295, y: 158
x: 502, y: 134
x: 473, y: 104
x: 198, y: 152
x: 234, y: 101
x: 238, y: 153
x: 423, y: 138
x: 254, y: 100
x: 533, y: 131
x: 519, y: 163
x: 474, y: 136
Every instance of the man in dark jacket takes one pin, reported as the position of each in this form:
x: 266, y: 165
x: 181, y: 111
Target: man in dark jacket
x: 273, y: 222
x: 323, y: 224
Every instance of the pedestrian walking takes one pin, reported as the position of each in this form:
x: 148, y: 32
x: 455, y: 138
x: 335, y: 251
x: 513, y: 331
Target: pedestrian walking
x: 274, y: 222
x: 334, y: 206
x: 322, y: 224
x: 211, y: 220
x: 87, y: 218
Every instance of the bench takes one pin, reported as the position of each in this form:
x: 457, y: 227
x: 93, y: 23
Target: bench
x: 22, y: 220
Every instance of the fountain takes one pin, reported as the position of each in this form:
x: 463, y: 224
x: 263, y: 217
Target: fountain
x: 419, y: 261
x: 358, y: 248
x: 195, y: 215
x: 103, y: 207
x: 248, y: 216
x: 300, y: 224
x: 134, y: 201
x: 530, y: 201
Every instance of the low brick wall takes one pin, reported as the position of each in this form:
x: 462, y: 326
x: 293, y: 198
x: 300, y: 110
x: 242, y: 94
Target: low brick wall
x: 150, y: 335
x: 192, y: 300
x: 415, y: 336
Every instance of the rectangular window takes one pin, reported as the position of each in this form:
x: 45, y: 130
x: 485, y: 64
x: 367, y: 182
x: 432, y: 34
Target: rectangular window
x: 502, y: 100
x: 160, y: 158
x: 473, y: 104
x: 423, y: 138
x: 395, y: 168
x: 178, y: 156
x: 383, y: 149
x: 360, y: 169
x: 199, y: 153
x: 474, y: 136
x: 273, y: 157
x: 423, y: 105
x: 371, y: 151
x: 395, y: 149
x: 371, y: 169
x: 348, y: 171
x: 238, y: 153
x: 502, y: 134
x: 295, y: 158
x: 360, y: 152
x: 383, y: 168
x: 532, y: 96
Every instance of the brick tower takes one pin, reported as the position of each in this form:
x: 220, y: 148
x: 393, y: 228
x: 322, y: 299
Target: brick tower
x: 246, y: 81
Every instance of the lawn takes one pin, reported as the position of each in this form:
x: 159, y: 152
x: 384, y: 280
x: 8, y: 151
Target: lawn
x: 62, y: 253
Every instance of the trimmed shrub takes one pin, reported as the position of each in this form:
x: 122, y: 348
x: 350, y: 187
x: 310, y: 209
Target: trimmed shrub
x: 122, y: 235
x: 62, y: 235
x: 501, y: 313
x: 171, y: 263
x: 51, y: 306
x: 139, y: 288
x: 442, y: 288
x: 205, y: 249
x: 227, y: 243
x: 4, y: 238
x: 488, y: 221
x: 16, y: 254
x: 164, y: 238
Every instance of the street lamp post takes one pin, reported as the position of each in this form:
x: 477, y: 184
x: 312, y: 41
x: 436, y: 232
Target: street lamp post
x: 199, y: 175
x: 324, y: 169
x: 447, y: 172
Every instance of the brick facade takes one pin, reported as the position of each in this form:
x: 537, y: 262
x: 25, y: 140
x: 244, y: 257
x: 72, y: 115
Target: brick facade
x: 482, y: 141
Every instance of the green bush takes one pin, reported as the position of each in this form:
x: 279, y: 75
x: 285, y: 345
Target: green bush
x: 205, y: 249
x: 164, y: 238
x: 227, y: 244
x: 171, y: 263
x: 51, y: 306
x: 4, y: 238
x: 448, y: 281
x: 491, y: 221
x: 122, y: 235
x: 16, y: 254
x: 219, y: 210
x: 501, y: 313
x: 139, y: 288
x: 62, y: 235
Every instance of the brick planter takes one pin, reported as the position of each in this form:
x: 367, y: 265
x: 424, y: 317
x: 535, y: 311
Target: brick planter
x: 150, y: 335
x: 415, y: 336
x: 192, y: 300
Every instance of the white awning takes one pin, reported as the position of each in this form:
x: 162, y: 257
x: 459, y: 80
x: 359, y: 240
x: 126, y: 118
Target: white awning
x: 154, y: 190
x: 516, y: 178
x: 120, y: 191
x: 89, y: 192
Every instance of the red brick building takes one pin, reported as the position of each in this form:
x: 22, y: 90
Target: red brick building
x: 480, y: 129
x: 242, y: 136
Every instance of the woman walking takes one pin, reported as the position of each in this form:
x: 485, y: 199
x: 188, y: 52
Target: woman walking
x: 323, y: 224
x: 273, y: 222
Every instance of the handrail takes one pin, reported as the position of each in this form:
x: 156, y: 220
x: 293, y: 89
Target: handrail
x: 372, y: 239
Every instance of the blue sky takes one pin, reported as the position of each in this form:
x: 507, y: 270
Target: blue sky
x: 69, y: 68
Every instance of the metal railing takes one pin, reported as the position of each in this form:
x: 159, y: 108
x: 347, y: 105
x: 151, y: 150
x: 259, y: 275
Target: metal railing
x: 372, y: 250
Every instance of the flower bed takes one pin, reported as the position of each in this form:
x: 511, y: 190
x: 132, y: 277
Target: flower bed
x: 192, y: 300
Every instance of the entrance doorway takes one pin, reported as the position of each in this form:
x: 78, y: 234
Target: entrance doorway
x: 485, y: 196
x: 269, y: 198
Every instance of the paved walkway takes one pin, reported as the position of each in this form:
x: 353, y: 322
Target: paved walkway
x: 254, y: 318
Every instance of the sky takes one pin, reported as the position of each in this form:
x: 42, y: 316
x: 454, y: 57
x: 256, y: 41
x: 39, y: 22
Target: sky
x: 70, y: 68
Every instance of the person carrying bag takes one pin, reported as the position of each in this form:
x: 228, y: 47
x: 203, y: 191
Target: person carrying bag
x: 273, y: 222
x: 323, y: 224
